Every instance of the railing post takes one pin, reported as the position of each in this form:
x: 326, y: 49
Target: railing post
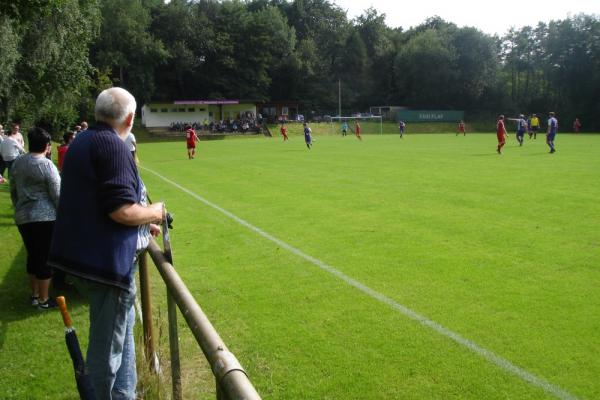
x: 220, y: 394
x: 174, y: 346
x: 172, y: 315
x: 147, y: 313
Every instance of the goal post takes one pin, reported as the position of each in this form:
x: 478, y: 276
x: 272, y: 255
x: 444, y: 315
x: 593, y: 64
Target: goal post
x: 369, y: 125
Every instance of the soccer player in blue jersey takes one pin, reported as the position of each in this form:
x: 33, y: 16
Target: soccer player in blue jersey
x: 344, y: 128
x: 551, y: 133
x: 307, y: 136
x: 521, y: 127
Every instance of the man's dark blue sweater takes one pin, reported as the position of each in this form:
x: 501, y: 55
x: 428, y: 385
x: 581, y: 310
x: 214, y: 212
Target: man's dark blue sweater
x: 99, y: 176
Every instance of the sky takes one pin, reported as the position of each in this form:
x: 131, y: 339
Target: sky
x: 490, y: 17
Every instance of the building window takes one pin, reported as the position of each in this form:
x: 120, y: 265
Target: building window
x: 181, y: 110
x: 191, y: 109
x: 164, y: 110
x: 173, y: 110
x: 153, y: 110
x: 284, y: 111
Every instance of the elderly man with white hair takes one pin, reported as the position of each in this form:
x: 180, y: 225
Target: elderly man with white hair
x: 101, y: 221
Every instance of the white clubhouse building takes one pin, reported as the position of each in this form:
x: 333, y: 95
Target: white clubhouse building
x: 162, y: 115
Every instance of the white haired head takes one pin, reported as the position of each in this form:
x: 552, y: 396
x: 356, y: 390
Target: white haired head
x: 114, y: 105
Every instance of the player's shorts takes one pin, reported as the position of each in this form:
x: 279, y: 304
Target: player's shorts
x: 307, y: 139
x: 191, y: 145
x: 500, y: 138
x: 535, y: 128
x: 550, y: 137
x: 520, y: 133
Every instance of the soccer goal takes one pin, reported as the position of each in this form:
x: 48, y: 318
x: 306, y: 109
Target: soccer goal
x: 368, y: 125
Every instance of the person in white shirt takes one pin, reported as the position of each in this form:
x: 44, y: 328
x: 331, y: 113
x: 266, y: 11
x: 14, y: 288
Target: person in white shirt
x: 2, y: 165
x: 12, y: 147
x: 132, y: 145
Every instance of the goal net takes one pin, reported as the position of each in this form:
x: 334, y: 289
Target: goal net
x: 372, y: 125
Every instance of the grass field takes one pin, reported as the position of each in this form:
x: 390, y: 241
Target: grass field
x: 502, y: 250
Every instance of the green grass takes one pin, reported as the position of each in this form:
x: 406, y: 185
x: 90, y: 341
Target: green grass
x: 386, y: 127
x: 34, y: 363
x: 503, y: 250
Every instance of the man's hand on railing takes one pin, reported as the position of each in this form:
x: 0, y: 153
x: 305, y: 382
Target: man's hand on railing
x: 154, y: 230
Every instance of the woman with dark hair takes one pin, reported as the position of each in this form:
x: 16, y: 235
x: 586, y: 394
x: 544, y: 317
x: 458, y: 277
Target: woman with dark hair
x: 34, y: 189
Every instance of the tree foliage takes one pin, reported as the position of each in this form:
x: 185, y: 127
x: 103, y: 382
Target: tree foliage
x: 46, y: 68
x: 57, y: 55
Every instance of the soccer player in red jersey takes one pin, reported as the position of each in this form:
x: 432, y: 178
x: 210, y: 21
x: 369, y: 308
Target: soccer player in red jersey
x: 357, y: 130
x: 576, y: 125
x: 500, y: 133
x: 461, y: 128
x: 191, y: 138
x: 283, y: 131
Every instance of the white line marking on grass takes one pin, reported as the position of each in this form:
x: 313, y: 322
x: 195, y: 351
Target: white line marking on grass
x: 475, y: 348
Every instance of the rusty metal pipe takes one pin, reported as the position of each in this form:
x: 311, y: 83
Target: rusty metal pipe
x: 230, y: 375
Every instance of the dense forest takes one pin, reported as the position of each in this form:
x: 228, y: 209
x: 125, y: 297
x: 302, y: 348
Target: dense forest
x: 56, y: 55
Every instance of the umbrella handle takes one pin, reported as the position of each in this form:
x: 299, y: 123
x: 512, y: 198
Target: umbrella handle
x: 62, y: 305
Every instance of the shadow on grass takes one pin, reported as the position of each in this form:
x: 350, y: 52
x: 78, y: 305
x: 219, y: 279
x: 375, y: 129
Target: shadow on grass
x: 168, y: 160
x: 6, y: 218
x: 6, y: 215
x: 15, y: 295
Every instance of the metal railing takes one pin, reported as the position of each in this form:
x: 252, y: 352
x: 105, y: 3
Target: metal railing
x: 231, y: 379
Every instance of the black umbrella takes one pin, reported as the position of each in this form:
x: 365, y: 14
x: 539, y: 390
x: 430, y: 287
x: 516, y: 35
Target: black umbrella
x: 84, y: 384
x: 166, y: 225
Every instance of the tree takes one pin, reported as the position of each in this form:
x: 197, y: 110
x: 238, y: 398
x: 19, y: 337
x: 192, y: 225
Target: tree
x: 354, y: 75
x: 9, y: 48
x: 476, y: 66
x: 127, y: 48
x: 187, y: 36
x: 380, y: 53
x: 424, y: 71
x: 324, y: 24
x: 50, y: 73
